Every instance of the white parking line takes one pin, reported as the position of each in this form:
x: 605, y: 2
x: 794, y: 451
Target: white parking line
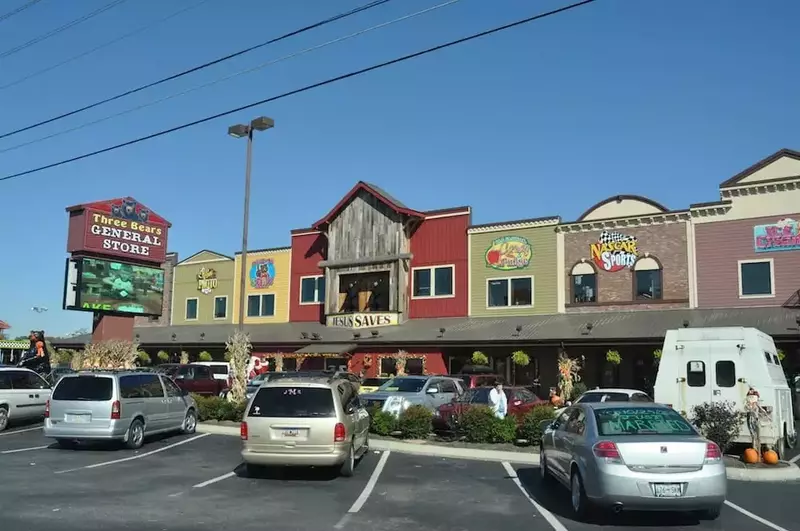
x: 20, y: 431
x: 18, y: 450
x: 126, y: 459
x: 550, y: 517
x: 794, y: 459
x: 214, y: 480
x: 364, y: 496
x: 755, y: 517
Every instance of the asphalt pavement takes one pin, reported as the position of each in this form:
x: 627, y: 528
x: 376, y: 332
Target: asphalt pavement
x: 197, y: 483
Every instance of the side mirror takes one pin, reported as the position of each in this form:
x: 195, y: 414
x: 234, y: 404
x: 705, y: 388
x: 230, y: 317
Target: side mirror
x: 546, y: 425
x: 432, y: 390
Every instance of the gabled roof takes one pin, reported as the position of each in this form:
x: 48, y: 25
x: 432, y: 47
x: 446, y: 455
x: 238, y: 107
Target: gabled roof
x: 733, y: 181
x: 105, y: 206
x: 215, y: 253
x: 619, y: 199
x: 373, y: 190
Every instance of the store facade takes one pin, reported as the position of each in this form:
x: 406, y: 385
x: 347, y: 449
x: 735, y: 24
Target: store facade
x: 202, y: 290
x: 266, y: 285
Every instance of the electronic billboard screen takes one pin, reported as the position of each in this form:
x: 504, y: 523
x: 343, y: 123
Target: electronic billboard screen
x: 116, y: 287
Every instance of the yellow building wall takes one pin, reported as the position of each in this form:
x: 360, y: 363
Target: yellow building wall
x: 281, y: 260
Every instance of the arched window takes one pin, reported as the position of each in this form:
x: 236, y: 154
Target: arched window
x: 647, y: 279
x: 583, y: 287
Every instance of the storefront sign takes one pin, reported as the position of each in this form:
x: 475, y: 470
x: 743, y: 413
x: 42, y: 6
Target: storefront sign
x: 509, y: 253
x: 207, y: 280
x: 781, y: 236
x: 262, y: 273
x: 362, y: 320
x: 614, y: 251
x: 122, y: 228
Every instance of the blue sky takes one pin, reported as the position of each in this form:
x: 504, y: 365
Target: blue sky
x: 659, y: 98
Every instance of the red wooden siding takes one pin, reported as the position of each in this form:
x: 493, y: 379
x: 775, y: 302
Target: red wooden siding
x: 442, y: 241
x: 719, y: 247
x: 434, y: 361
x: 308, y: 249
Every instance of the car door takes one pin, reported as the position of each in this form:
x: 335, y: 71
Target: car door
x: 22, y: 393
x: 572, y: 438
x: 447, y: 392
x: 204, y: 383
x: 557, y: 456
x: 155, y: 402
x: 176, y: 403
x: 41, y: 390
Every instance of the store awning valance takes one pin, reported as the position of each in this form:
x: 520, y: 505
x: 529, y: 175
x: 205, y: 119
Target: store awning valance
x: 326, y: 348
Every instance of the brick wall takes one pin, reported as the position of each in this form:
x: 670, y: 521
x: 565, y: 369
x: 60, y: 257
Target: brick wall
x: 166, y: 305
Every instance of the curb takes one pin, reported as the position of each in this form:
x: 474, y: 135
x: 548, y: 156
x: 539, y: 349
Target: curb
x: 777, y: 475
x: 428, y: 450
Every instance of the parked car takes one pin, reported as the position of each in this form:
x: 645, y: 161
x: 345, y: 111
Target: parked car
x: 401, y: 392
x: 124, y: 406
x: 471, y: 381
x: 220, y: 369
x: 255, y: 383
x: 632, y: 456
x: 305, y: 422
x: 195, y: 379
x: 520, y: 401
x: 23, y: 395
x: 609, y: 395
x: 370, y: 385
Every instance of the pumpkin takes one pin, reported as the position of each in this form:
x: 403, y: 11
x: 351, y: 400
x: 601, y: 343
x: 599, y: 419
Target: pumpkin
x: 771, y: 457
x: 750, y: 456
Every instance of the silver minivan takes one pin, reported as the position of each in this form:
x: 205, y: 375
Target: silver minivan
x: 117, y: 406
x: 23, y: 395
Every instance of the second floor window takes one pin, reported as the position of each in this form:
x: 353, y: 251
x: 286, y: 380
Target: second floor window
x: 583, y: 283
x: 261, y: 305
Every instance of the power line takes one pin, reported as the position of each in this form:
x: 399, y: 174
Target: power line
x: 60, y: 29
x: 226, y: 78
x: 328, y: 81
x: 340, y: 16
x: 101, y: 46
x: 20, y: 9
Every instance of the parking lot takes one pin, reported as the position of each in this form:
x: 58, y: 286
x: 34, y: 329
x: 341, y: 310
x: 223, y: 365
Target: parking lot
x: 197, y: 483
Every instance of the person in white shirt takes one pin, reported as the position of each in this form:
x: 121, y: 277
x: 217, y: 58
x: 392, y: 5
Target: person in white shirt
x: 497, y: 400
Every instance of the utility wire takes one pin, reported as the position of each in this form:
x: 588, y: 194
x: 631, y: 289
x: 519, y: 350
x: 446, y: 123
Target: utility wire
x: 226, y: 78
x: 340, y: 16
x: 307, y: 88
x: 101, y: 46
x: 20, y: 9
x: 60, y: 29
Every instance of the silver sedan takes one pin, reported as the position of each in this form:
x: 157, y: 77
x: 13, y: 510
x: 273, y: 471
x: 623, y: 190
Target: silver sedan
x: 632, y: 456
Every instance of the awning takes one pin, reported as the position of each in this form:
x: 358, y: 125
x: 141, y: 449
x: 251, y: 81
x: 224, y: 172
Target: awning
x: 326, y: 348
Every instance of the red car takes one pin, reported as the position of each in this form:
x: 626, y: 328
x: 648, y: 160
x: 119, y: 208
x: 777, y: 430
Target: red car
x: 520, y: 401
x: 472, y: 381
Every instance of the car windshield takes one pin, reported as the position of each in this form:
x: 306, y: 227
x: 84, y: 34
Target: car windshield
x: 293, y: 402
x: 373, y: 382
x: 641, y: 421
x: 403, y: 385
x: 601, y: 396
x: 219, y: 369
x: 295, y: 374
x: 261, y: 378
x: 84, y: 388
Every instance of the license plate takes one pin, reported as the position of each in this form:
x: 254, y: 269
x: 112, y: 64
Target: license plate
x: 291, y: 433
x: 78, y: 419
x: 667, y: 490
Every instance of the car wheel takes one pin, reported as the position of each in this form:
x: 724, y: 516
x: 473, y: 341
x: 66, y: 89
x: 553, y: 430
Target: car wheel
x: 135, y: 438
x: 711, y: 514
x: 3, y: 418
x: 67, y: 444
x: 190, y: 422
x: 543, y: 471
x: 349, y: 465
x: 580, y: 503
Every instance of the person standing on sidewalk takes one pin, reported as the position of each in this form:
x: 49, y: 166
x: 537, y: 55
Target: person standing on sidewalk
x: 498, y: 400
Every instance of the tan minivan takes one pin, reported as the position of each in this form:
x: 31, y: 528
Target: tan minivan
x: 305, y: 422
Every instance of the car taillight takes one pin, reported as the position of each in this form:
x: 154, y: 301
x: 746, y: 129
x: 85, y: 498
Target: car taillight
x: 607, y: 450
x: 243, y: 431
x: 115, y: 410
x: 339, y: 432
x: 713, y: 453
x: 47, y: 409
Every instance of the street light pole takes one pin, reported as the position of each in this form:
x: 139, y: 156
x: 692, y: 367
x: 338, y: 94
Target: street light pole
x: 261, y: 123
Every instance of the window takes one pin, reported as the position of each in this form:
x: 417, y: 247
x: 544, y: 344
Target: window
x: 756, y: 278
x: 191, y: 309
x: 768, y: 357
x: 26, y: 380
x: 591, y: 397
x: 641, y: 421
x: 201, y: 372
x: 261, y: 305
x: 447, y: 386
x: 640, y: 397
x: 725, y: 373
x: 414, y: 366
x: 507, y: 292
x: 776, y: 359
x: 84, y: 388
x: 584, y: 283
x: 577, y: 422
x: 696, y: 374
x: 312, y: 290
x: 433, y: 281
x: 173, y: 391
x: 647, y: 278
x: 293, y: 402
x: 220, y: 307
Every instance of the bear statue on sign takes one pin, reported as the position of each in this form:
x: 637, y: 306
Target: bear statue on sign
x: 36, y: 358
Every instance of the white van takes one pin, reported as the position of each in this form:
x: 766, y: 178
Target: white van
x: 701, y: 365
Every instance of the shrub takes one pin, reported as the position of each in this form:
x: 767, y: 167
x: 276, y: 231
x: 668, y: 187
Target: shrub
x: 163, y: 356
x: 62, y: 356
x: 416, y: 422
x: 220, y: 409
x: 205, y: 356
x: 479, y: 358
x: 142, y: 358
x: 529, y: 428
x: 577, y: 390
x: 382, y: 423
x: 719, y: 422
x: 477, y: 424
x: 504, y: 430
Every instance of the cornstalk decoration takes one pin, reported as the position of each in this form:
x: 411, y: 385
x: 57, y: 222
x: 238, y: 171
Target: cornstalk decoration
x: 568, y: 374
x: 278, y: 363
x: 400, y: 362
x: 239, y: 347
